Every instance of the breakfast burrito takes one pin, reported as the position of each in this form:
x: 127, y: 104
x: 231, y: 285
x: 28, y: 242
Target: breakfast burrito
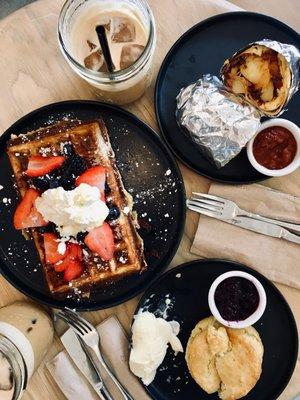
x: 265, y: 74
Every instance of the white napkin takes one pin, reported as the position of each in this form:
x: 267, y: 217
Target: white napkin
x: 115, y: 347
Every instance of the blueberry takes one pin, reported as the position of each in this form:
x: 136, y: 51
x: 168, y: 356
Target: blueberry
x: 81, y: 236
x: 54, y: 182
x: 68, y: 150
x: 107, y: 189
x: 50, y: 228
x: 114, y: 212
x: 40, y: 183
x: 68, y: 183
x: 49, y: 181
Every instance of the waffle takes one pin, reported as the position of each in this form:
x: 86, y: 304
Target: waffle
x: 91, y: 141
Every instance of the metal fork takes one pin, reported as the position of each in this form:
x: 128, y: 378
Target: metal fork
x: 227, y: 209
x: 89, y: 335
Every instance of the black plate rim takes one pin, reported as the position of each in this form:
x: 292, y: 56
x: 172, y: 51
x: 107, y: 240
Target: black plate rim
x: 159, y: 81
x: 95, y: 307
x: 236, y: 265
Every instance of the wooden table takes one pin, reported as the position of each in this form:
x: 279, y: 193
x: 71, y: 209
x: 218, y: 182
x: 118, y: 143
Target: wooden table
x: 34, y: 73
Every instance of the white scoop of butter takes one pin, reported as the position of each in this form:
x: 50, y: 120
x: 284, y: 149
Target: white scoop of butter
x: 150, y: 339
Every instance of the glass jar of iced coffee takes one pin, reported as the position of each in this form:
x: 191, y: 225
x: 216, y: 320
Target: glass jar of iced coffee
x: 131, y: 35
x: 26, y: 334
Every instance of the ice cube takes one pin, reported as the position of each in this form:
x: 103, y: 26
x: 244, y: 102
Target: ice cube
x: 91, y: 45
x: 122, y: 30
x: 95, y: 61
x: 130, y: 53
x: 105, y: 21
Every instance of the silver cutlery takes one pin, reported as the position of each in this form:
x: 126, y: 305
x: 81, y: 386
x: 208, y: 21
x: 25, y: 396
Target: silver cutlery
x: 81, y: 359
x: 228, y: 209
x: 89, y: 336
x: 254, y: 225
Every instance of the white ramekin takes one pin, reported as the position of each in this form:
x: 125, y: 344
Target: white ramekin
x: 294, y: 129
x: 250, y: 320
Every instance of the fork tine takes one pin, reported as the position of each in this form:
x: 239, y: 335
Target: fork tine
x: 210, y: 202
x: 202, y: 211
x: 84, y: 321
x: 74, y: 318
x: 70, y: 323
x: 210, y: 196
x: 213, y: 209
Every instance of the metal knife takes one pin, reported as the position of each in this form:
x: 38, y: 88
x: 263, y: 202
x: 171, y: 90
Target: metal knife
x: 81, y: 359
x: 264, y: 228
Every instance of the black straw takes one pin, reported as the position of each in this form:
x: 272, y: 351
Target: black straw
x: 100, y: 29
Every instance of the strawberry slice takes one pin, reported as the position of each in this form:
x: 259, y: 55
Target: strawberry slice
x: 39, y: 165
x: 26, y: 214
x: 51, y: 248
x: 73, y: 271
x: 94, y: 176
x: 73, y: 253
x: 101, y: 241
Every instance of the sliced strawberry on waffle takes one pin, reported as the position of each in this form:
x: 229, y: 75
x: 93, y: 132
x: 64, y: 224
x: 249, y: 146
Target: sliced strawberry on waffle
x: 71, y: 263
x: 39, y: 165
x: 73, y: 271
x: 101, y: 241
x: 51, y: 243
x: 94, y: 176
x: 26, y: 214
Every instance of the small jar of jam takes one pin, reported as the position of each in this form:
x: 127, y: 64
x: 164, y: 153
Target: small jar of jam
x: 275, y: 149
x: 237, y: 299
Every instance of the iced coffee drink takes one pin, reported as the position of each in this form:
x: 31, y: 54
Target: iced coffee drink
x: 130, y: 32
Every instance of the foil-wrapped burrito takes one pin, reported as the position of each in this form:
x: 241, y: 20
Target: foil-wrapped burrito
x: 215, y: 119
x: 265, y: 73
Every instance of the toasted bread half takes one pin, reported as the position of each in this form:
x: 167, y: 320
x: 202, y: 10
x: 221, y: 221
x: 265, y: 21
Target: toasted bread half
x: 91, y: 141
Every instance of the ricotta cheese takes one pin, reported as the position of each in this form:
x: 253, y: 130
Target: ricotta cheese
x: 150, y: 339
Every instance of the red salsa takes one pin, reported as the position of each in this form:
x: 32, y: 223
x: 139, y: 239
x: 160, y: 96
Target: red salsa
x: 236, y: 298
x: 274, y: 147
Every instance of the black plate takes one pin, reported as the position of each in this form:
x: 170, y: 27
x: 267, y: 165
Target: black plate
x: 187, y: 287
x: 201, y: 50
x: 143, y: 160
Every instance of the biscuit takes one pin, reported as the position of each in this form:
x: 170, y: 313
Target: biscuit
x: 199, y: 358
x: 224, y: 360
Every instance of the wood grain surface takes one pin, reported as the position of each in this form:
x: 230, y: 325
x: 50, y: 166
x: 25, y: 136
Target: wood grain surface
x: 34, y: 73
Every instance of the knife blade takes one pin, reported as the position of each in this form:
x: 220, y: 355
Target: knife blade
x: 81, y: 359
x: 265, y: 228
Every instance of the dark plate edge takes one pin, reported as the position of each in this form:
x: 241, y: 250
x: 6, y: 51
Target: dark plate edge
x: 169, y: 257
x: 238, y: 265
x: 161, y: 71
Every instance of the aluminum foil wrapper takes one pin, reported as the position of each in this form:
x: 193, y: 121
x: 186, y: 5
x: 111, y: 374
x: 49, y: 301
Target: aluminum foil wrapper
x: 219, y: 122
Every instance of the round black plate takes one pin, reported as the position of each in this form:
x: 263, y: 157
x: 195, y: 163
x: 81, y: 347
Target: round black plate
x: 201, y: 50
x: 187, y: 287
x: 149, y: 173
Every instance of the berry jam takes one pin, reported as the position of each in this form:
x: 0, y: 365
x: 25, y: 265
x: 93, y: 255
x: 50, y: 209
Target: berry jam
x: 236, y: 298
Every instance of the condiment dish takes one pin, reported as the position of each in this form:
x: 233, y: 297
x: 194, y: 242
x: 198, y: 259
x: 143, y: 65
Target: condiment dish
x: 294, y: 129
x: 252, y: 319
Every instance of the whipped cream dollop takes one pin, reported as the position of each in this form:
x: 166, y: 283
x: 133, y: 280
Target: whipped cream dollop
x: 150, y: 339
x: 73, y: 211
